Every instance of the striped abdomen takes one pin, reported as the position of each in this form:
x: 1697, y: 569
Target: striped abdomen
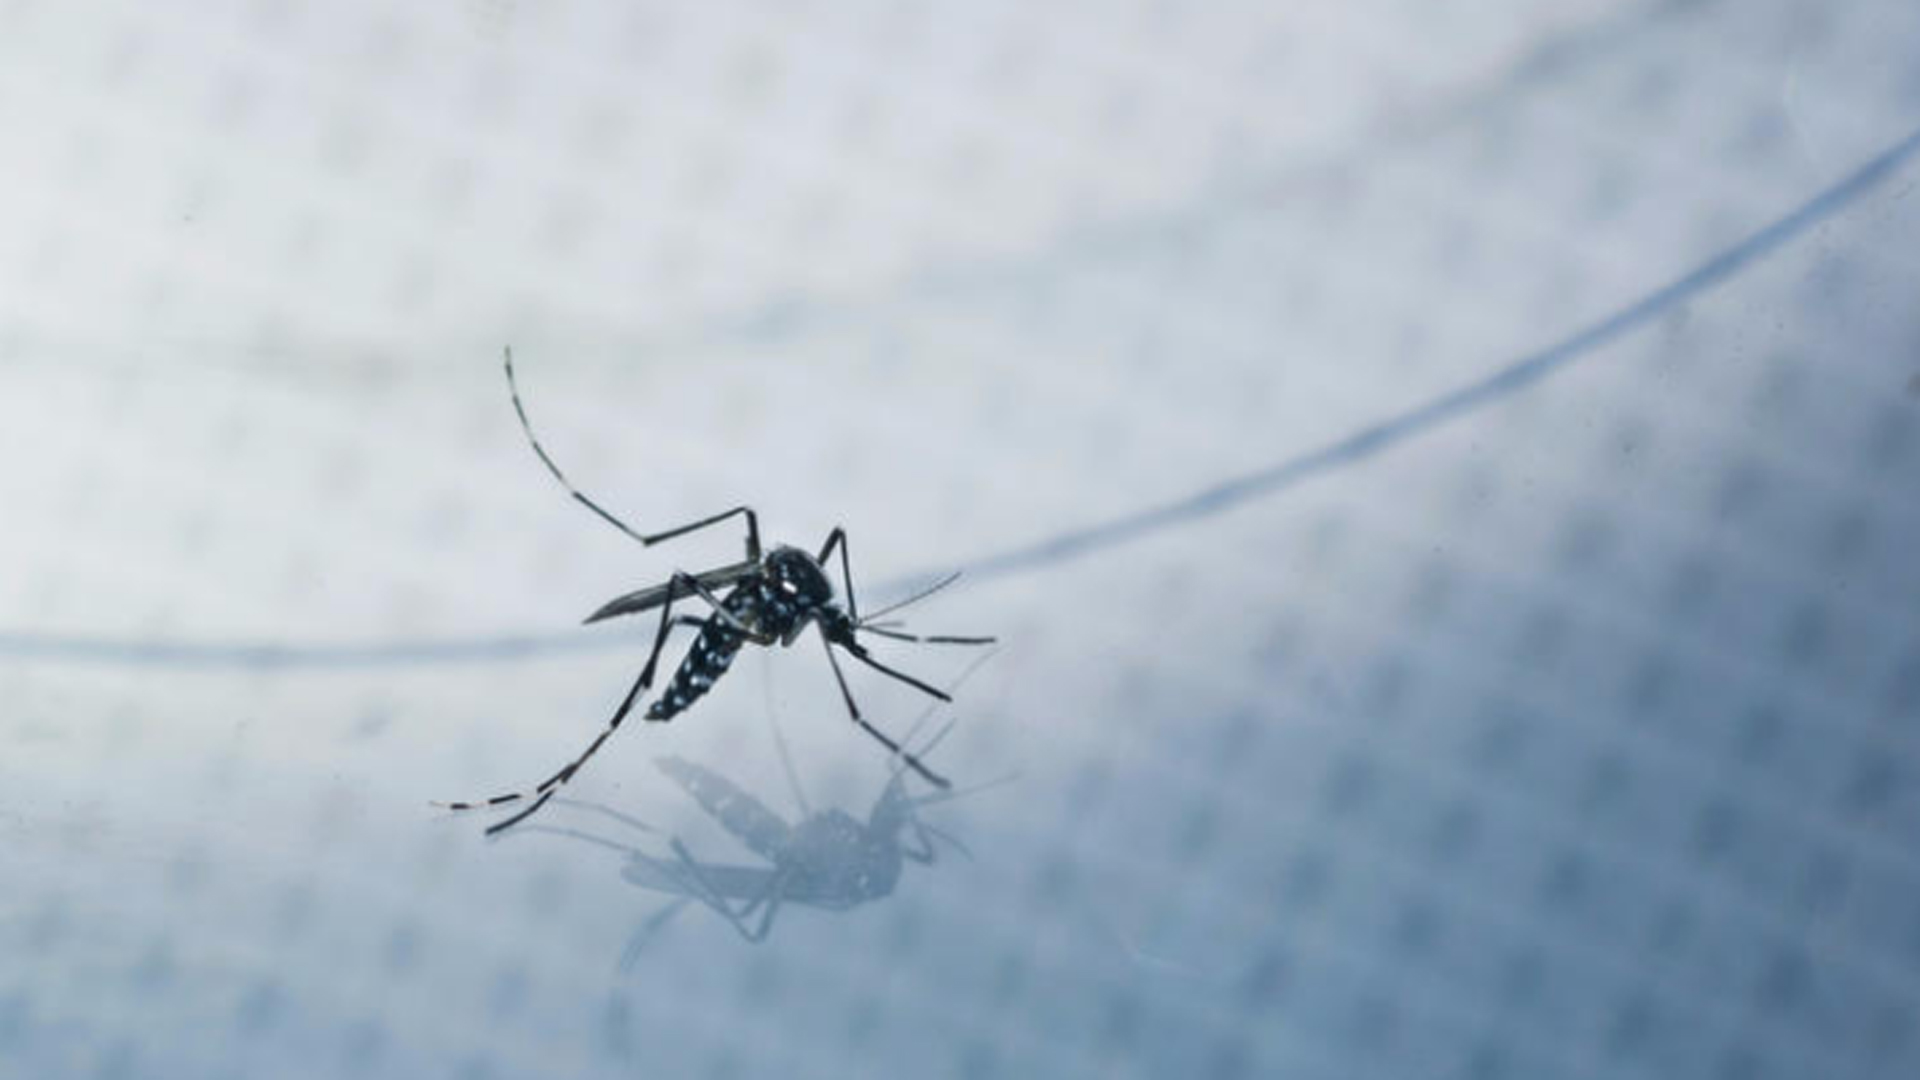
x: 713, y: 651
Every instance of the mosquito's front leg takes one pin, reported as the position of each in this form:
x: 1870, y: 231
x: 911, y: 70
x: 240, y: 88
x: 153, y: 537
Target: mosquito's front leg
x: 753, y: 530
x: 708, y: 893
x: 853, y: 711
x: 838, y: 539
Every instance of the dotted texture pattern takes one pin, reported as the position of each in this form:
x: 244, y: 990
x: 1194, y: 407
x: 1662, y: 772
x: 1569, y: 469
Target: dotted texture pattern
x: 1578, y: 737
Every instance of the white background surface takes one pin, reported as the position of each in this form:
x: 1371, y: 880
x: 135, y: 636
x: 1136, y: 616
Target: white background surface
x: 1574, y: 737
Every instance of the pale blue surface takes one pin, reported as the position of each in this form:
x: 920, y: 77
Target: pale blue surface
x: 1411, y: 721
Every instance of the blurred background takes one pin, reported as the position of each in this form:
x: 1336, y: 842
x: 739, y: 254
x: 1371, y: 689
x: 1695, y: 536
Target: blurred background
x: 1443, y: 477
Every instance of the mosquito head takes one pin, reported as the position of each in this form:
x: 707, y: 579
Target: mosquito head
x: 838, y: 626
x: 797, y: 574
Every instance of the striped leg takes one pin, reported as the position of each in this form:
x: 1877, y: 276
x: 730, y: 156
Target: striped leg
x: 719, y: 902
x: 647, y: 539
x: 545, y: 789
x: 838, y: 539
x: 879, y: 736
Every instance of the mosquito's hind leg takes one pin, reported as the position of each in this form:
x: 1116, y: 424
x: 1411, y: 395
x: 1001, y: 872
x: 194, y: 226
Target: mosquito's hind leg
x: 546, y: 788
x: 711, y: 896
x: 647, y: 539
x: 647, y: 931
x: 773, y: 897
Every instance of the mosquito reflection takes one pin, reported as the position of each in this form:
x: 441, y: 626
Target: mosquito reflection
x: 829, y: 860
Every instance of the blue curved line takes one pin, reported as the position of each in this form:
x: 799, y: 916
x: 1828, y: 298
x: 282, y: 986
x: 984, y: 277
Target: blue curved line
x: 1543, y: 62
x: 1218, y: 498
x: 1508, y: 380
x: 134, y: 652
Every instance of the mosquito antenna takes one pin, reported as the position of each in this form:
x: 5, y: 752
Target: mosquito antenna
x: 928, y: 639
x: 520, y: 410
x: 913, y: 599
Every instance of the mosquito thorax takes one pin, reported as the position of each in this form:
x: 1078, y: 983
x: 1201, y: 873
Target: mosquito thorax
x: 798, y: 574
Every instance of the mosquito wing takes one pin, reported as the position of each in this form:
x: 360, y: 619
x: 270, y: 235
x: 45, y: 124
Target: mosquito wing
x: 653, y: 596
x: 742, y: 815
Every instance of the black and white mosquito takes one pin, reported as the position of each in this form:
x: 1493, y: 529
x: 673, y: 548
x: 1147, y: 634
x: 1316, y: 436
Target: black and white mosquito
x: 772, y: 598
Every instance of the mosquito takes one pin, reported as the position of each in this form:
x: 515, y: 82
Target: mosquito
x: 829, y: 860
x: 772, y: 597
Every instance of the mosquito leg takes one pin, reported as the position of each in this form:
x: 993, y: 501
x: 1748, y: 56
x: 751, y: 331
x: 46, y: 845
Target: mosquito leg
x: 697, y: 882
x: 932, y: 832
x: 838, y: 539
x: 775, y: 890
x: 753, y: 530
x: 545, y: 789
x: 694, y: 587
x: 523, y: 815
x: 866, y: 658
x: 644, y: 935
x: 526, y: 426
x: 660, y: 642
x: 581, y: 835
x: 927, y: 714
x: 853, y: 710
x: 710, y: 895
x: 609, y: 813
x: 924, y: 853
x: 766, y: 902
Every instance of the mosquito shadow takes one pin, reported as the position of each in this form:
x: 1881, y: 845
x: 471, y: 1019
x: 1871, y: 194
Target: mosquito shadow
x: 829, y: 860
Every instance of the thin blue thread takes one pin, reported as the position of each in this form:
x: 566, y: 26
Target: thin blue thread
x: 1361, y: 445
x: 1509, y: 380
